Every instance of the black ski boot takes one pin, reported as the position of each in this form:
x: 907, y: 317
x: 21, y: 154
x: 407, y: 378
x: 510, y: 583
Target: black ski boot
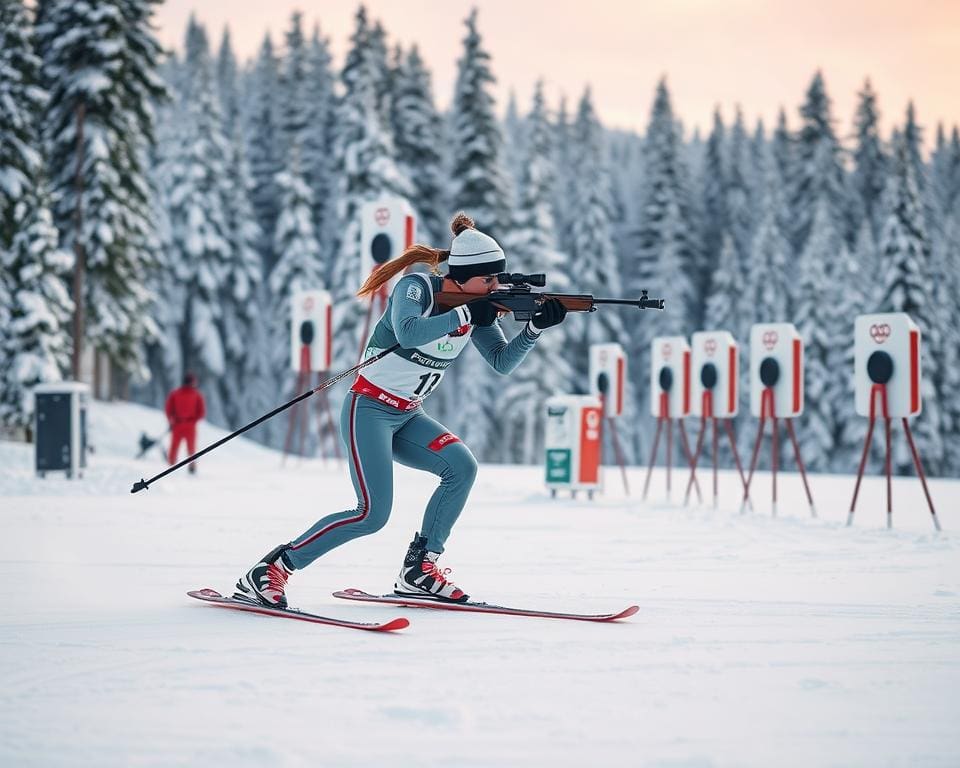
x: 420, y: 576
x: 265, y: 582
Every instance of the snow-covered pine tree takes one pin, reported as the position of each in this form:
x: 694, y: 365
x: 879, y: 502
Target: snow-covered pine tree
x: 669, y: 244
x: 241, y: 308
x: 419, y: 141
x: 946, y: 258
x: 366, y: 169
x: 35, y: 308
x: 860, y: 276
x: 767, y: 291
x: 532, y: 248
x: 35, y: 344
x: 195, y: 173
x: 319, y: 164
x: 846, y: 299
x: 713, y: 185
x: 299, y: 267
x: 817, y: 326
x: 514, y: 132
x: 564, y: 188
x: 784, y: 159
x: 377, y: 54
x: 228, y: 85
x: 908, y: 282
x: 818, y: 170
x: 265, y: 144
x: 479, y: 182
x: 101, y: 60
x: 725, y: 308
x: 294, y: 77
x: 869, y: 159
x: 740, y: 189
x: 593, y: 263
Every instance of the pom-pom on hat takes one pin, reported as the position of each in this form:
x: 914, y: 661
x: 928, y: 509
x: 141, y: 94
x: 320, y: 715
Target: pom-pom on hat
x: 473, y: 252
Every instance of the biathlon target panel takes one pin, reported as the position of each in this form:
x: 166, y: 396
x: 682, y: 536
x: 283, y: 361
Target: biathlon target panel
x: 886, y: 351
x: 311, y: 328
x: 387, y: 229
x: 608, y: 376
x: 776, y: 361
x: 670, y: 374
x: 715, y: 364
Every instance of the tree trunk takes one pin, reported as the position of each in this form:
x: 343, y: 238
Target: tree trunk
x: 78, y: 269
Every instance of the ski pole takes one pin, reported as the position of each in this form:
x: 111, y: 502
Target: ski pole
x: 141, y: 483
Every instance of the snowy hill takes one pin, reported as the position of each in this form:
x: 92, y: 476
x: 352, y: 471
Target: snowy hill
x: 760, y: 641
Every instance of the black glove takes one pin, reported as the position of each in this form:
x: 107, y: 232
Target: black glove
x: 482, y: 312
x: 551, y: 313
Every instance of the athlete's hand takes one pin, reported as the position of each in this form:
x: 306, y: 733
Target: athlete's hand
x: 482, y: 312
x: 551, y: 313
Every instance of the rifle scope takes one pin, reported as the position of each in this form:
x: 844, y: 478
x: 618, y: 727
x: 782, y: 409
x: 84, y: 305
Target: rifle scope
x: 518, y: 278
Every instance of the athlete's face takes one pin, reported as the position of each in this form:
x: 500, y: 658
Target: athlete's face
x: 480, y: 284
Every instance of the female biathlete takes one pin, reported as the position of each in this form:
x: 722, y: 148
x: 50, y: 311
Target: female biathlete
x: 382, y: 418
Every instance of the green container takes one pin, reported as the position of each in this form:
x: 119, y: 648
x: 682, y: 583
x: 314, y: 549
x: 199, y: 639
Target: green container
x: 558, y: 465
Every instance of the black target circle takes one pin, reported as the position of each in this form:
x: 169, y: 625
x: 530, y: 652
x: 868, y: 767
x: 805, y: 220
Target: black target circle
x: 603, y: 383
x: 708, y: 376
x: 306, y: 332
x: 381, y: 248
x: 769, y: 372
x: 880, y: 367
x: 666, y: 379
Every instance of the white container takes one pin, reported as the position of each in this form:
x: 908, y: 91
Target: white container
x: 573, y: 442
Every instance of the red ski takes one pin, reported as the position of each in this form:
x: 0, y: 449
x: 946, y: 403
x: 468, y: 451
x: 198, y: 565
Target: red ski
x: 426, y: 602
x: 215, y: 598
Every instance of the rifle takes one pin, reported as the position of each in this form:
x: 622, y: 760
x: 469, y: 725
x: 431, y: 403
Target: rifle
x: 523, y: 302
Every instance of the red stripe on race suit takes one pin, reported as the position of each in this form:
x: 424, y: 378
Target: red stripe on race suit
x: 447, y: 438
x: 360, y: 481
x: 363, y: 387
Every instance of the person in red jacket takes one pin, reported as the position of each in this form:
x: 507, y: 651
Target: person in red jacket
x: 185, y: 407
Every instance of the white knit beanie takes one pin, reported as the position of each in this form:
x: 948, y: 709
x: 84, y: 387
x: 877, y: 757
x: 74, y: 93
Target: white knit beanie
x: 474, y: 253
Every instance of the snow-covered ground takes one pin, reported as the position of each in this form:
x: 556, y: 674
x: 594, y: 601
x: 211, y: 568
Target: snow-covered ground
x: 760, y: 641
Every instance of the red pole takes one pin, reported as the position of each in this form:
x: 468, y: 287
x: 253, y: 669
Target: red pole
x: 866, y: 450
x: 696, y: 458
x: 888, y: 469
x: 753, y: 463
x: 803, y: 471
x: 923, y: 477
x: 686, y: 454
x: 669, y: 453
x: 736, y: 454
x: 715, y: 451
x: 653, y: 456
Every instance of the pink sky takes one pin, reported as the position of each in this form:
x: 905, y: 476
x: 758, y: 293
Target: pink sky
x: 758, y: 54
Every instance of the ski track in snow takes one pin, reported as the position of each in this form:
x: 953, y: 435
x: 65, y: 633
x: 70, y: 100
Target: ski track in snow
x: 760, y: 641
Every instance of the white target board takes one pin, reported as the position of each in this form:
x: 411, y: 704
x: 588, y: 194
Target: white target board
x: 387, y: 228
x: 715, y: 369
x: 886, y: 352
x: 776, y: 363
x: 608, y: 371
x: 311, y: 329
x: 670, y: 376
